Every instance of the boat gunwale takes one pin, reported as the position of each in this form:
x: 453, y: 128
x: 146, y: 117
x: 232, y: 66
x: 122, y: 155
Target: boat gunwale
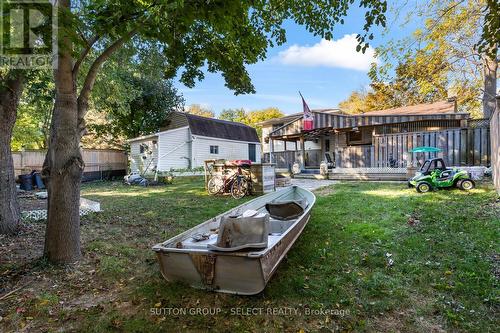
x: 161, y: 248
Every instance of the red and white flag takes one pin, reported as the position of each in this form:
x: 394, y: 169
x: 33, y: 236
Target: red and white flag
x: 308, y: 120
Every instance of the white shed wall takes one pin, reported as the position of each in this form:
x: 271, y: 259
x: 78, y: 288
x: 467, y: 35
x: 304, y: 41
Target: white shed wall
x: 228, y: 150
x: 174, y: 149
x: 137, y: 161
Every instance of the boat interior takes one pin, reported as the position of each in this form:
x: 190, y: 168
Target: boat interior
x: 204, y: 236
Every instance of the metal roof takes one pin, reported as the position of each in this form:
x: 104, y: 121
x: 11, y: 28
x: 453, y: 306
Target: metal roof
x: 443, y: 110
x: 440, y: 107
x: 222, y: 129
x: 209, y: 127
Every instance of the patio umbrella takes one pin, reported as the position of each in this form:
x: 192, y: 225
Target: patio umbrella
x: 425, y: 150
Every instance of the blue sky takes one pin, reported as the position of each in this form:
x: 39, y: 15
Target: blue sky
x: 325, y: 72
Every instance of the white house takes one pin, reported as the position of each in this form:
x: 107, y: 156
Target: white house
x: 189, y: 140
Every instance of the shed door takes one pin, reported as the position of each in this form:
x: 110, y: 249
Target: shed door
x: 251, y: 152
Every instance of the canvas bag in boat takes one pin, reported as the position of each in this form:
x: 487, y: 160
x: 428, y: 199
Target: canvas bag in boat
x: 241, y: 232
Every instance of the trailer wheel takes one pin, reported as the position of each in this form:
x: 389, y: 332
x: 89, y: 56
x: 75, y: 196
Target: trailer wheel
x: 423, y: 187
x: 467, y: 184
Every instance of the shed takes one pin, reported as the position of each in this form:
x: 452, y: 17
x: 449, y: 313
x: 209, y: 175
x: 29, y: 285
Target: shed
x: 187, y: 140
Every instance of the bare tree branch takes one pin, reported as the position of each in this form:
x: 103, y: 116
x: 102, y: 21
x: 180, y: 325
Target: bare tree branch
x: 94, y: 68
x: 90, y: 43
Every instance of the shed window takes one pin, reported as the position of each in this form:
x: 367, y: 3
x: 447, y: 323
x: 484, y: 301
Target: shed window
x: 214, y: 149
x: 143, y: 147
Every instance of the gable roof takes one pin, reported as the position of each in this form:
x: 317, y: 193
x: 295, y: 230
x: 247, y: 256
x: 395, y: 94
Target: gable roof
x: 215, y: 128
x: 440, y: 107
x: 294, y: 116
x: 426, y: 109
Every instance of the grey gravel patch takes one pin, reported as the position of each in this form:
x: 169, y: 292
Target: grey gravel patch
x: 313, y: 184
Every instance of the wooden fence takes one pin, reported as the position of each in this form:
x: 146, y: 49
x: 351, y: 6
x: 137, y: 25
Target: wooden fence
x: 460, y: 147
x: 495, y: 145
x: 97, y: 161
x: 467, y: 146
x: 355, y: 157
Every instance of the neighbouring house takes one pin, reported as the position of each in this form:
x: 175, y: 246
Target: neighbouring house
x: 188, y: 140
x: 377, y: 139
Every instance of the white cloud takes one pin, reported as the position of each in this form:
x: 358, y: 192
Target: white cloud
x: 339, y: 53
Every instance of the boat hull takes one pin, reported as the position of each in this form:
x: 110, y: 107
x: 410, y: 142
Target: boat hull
x: 240, y: 272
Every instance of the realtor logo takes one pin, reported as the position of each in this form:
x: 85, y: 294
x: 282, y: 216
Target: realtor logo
x: 27, y: 33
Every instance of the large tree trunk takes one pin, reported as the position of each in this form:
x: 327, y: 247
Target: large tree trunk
x: 490, y: 67
x: 63, y: 164
x: 10, y: 93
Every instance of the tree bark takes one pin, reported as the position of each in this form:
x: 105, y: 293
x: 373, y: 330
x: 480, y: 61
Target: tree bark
x: 10, y: 94
x: 64, y: 165
x: 490, y: 67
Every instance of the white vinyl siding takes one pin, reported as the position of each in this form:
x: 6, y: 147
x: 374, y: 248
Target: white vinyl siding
x: 228, y: 150
x: 140, y: 161
x: 174, y: 149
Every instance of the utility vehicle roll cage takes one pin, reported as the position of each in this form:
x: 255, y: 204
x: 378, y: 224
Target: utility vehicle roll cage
x: 432, y: 164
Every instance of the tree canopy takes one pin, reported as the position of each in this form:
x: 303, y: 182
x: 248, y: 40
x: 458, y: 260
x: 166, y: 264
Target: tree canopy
x: 200, y: 110
x: 251, y: 118
x: 437, y: 61
x: 130, y: 98
x: 238, y: 115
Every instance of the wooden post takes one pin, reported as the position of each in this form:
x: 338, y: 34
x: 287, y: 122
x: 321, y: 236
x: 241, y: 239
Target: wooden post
x: 303, y: 153
x: 271, y: 150
x: 323, y: 150
x: 495, y: 144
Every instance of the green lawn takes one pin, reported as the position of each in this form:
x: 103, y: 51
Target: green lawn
x: 374, y: 257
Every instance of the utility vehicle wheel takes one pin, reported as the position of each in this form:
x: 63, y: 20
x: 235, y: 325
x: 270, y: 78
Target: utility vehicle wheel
x: 467, y: 184
x: 423, y: 187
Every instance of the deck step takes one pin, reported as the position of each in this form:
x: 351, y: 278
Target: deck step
x: 308, y: 176
x: 367, y: 176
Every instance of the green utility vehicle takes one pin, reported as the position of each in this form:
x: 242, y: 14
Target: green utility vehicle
x: 435, y: 175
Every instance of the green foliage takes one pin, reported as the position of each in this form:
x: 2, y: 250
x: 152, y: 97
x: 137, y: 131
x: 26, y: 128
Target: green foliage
x: 490, y: 36
x: 142, y: 114
x: 437, y: 61
x: 219, y: 36
x: 251, y: 118
x: 237, y: 115
x: 32, y: 127
x: 130, y: 97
